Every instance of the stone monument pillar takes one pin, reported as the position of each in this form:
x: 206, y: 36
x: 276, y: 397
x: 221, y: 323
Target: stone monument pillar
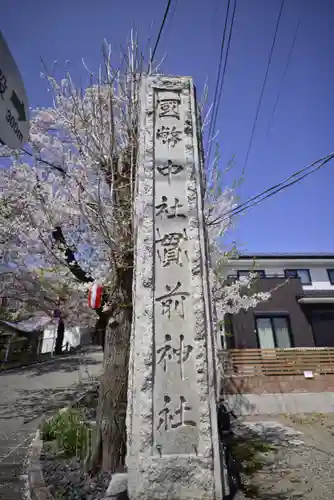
x: 173, y: 450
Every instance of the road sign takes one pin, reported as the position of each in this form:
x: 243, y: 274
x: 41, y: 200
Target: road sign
x: 14, y: 109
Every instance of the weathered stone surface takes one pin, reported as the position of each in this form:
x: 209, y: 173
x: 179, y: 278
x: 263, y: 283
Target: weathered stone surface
x: 172, y: 430
x: 117, y: 485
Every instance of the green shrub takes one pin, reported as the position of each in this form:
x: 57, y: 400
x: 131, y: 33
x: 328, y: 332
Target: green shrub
x: 70, y: 431
x: 249, y: 453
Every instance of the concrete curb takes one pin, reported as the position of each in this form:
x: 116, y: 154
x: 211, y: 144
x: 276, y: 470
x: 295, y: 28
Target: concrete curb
x: 36, y: 484
x: 37, y: 487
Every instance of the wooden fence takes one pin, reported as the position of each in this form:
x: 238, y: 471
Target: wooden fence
x: 295, y: 361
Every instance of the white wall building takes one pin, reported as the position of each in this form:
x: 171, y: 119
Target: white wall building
x: 73, y: 337
x: 316, y: 272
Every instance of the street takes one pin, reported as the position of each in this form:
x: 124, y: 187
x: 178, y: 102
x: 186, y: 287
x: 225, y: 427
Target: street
x: 27, y: 394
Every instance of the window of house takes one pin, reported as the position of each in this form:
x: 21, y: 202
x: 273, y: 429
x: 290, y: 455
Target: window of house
x: 273, y: 332
x: 243, y: 273
x: 302, y: 274
x: 261, y: 273
x: 227, y: 328
x: 331, y: 276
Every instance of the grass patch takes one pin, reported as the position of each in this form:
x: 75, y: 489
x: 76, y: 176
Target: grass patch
x: 251, y: 452
x: 69, y: 430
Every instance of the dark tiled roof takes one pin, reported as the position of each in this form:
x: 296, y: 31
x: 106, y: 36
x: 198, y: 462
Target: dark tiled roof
x: 30, y: 325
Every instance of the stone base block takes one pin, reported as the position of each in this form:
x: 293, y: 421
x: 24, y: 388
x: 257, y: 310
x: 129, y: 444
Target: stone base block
x: 173, y: 478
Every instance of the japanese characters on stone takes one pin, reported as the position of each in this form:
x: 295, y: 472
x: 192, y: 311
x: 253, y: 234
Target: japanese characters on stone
x: 175, y: 403
x: 170, y: 247
x: 172, y: 301
x: 170, y: 210
x: 181, y: 353
x: 172, y: 437
x: 169, y: 105
x: 172, y: 420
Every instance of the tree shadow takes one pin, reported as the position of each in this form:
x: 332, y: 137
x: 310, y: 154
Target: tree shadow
x: 257, y: 448
x: 65, y: 364
x: 288, y: 494
x: 33, y: 404
x: 234, y: 390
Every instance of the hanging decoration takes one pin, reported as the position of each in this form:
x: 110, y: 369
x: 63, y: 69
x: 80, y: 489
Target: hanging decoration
x: 95, y: 296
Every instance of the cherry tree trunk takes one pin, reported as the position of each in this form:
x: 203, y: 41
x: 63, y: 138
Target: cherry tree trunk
x: 109, y: 448
x: 60, y: 337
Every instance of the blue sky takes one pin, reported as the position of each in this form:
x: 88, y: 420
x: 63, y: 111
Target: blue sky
x: 300, y: 219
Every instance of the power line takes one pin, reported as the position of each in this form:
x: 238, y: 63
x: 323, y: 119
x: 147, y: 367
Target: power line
x: 289, y: 181
x: 171, y: 18
x: 284, y: 75
x: 214, y: 119
x: 263, y: 85
x: 218, y: 74
x: 256, y: 199
x: 323, y: 163
x: 52, y: 165
x: 160, y: 30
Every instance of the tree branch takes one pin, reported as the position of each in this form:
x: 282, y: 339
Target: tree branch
x: 72, y: 262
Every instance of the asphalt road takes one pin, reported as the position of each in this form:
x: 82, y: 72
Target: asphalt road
x: 29, y: 393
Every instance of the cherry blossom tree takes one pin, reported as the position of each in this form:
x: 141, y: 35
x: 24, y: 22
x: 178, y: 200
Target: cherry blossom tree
x: 66, y: 221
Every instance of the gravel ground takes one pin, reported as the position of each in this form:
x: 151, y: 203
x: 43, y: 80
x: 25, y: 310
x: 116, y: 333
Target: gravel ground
x: 302, y: 465
x: 65, y: 476
x: 68, y: 481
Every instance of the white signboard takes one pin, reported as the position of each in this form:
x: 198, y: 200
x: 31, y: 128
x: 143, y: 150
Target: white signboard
x: 14, y: 109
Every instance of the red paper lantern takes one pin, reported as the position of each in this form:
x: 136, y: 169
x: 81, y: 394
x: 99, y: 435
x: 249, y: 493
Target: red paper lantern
x: 95, y: 297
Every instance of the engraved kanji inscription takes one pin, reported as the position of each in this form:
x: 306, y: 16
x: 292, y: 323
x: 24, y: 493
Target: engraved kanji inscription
x: 172, y: 303
x: 169, y: 211
x: 170, y: 169
x: 167, y: 353
x: 169, y: 108
x: 169, y: 135
x: 172, y: 251
x: 172, y: 420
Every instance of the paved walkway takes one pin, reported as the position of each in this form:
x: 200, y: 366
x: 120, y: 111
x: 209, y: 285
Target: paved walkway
x: 27, y: 394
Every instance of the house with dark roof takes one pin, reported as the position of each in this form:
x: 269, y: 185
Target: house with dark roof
x: 37, y: 335
x: 300, y: 312
x: 23, y: 338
